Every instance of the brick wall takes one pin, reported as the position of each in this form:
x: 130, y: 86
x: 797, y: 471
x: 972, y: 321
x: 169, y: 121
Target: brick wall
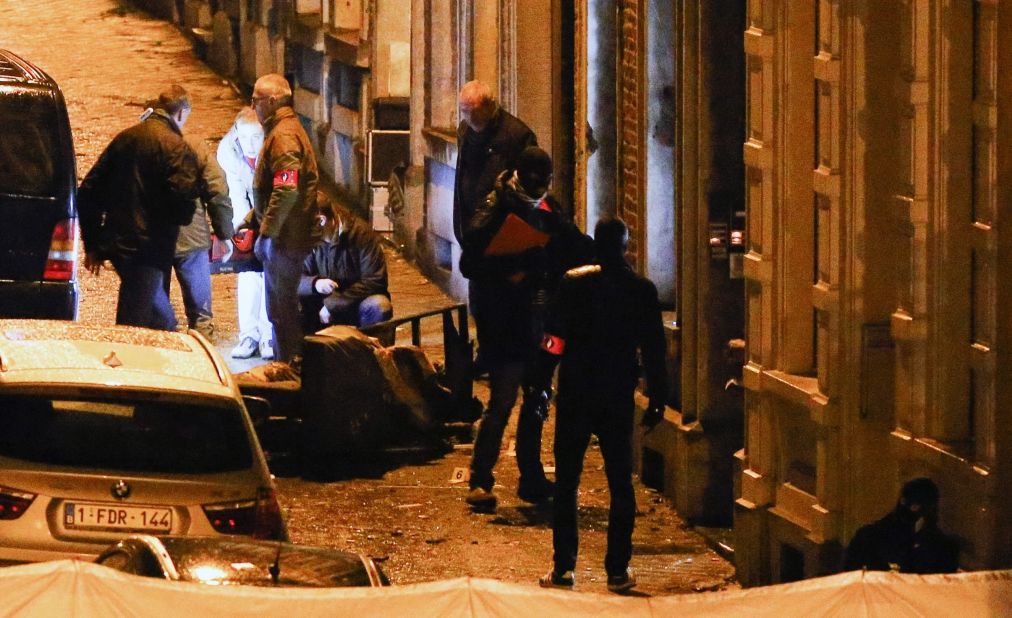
x: 631, y: 149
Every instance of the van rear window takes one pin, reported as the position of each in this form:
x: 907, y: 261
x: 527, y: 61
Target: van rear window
x: 124, y: 435
x: 28, y: 145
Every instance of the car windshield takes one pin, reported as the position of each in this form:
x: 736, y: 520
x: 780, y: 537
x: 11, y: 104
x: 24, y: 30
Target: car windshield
x: 136, y: 436
x: 28, y: 145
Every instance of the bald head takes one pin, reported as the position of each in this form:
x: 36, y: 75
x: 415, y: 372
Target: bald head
x: 477, y: 105
x: 270, y: 92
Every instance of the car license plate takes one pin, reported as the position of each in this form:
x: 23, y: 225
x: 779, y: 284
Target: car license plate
x: 114, y: 517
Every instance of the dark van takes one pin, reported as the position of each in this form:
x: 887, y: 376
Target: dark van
x: 38, y: 181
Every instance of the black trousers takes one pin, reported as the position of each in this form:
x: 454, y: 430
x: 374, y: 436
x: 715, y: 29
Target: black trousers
x: 610, y: 418
x: 504, y: 381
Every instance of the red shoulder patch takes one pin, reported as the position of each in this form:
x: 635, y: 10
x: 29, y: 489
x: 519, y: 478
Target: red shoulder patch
x: 553, y: 344
x: 286, y: 178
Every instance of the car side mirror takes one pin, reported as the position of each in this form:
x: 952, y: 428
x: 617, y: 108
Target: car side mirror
x: 259, y: 409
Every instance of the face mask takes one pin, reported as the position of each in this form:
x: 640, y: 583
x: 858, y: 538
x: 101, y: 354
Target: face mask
x: 514, y: 184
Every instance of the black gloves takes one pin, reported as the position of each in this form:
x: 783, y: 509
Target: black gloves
x: 653, y: 415
x: 535, y: 402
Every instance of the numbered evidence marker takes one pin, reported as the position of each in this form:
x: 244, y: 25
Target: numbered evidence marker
x: 460, y: 475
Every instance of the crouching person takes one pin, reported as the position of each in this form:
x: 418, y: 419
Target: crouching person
x: 344, y: 279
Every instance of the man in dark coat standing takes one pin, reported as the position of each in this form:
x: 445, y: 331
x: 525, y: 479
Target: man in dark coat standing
x: 131, y: 204
x: 489, y: 140
x: 607, y: 314
x: 344, y: 279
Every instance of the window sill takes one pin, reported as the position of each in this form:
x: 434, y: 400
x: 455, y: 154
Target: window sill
x: 955, y: 452
x: 441, y: 144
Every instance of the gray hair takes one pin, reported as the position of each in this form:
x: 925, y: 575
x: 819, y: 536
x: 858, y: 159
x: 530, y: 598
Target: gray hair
x: 477, y: 92
x: 274, y: 85
x: 246, y: 115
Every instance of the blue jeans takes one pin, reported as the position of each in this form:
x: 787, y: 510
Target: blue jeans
x: 371, y: 310
x: 194, y: 273
x: 282, y: 271
x: 143, y: 300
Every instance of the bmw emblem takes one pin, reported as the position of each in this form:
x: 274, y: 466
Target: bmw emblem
x: 121, y: 490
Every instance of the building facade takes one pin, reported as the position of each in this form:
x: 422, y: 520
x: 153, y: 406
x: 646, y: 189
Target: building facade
x: 876, y: 138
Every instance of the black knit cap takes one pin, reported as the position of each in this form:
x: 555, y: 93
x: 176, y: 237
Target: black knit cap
x: 921, y: 491
x: 534, y: 161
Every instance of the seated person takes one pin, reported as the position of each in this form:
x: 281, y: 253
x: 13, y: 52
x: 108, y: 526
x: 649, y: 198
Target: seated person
x: 344, y: 279
x: 907, y: 539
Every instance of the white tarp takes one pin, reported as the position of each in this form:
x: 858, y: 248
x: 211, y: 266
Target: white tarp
x: 71, y: 588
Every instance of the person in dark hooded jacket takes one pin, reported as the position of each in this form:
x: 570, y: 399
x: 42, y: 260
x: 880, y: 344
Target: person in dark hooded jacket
x: 907, y: 539
x: 508, y: 255
x: 131, y: 204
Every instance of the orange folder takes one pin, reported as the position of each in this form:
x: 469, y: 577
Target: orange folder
x: 515, y: 236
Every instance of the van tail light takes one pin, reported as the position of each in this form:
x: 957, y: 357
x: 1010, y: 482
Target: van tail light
x: 14, y: 503
x: 259, y: 518
x: 61, y: 263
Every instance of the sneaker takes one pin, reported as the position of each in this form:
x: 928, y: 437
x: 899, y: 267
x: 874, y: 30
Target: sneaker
x: 246, y: 348
x: 536, y: 493
x: 621, y: 583
x: 481, y: 497
x: 554, y: 579
x: 267, y: 349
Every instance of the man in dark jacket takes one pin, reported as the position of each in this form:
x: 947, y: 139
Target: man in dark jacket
x: 344, y: 279
x: 607, y: 314
x: 131, y: 204
x: 907, y: 539
x: 505, y: 257
x: 193, y: 269
x: 489, y: 140
x: 285, y: 210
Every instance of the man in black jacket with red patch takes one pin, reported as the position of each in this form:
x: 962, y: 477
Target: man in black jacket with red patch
x: 131, y: 204
x: 608, y: 313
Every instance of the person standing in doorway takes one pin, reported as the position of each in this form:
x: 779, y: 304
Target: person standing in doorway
x: 284, y: 211
x: 237, y: 155
x: 131, y: 204
x: 608, y: 314
x: 489, y: 140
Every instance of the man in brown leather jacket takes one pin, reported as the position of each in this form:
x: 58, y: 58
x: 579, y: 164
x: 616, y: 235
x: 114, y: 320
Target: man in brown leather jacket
x: 285, y: 211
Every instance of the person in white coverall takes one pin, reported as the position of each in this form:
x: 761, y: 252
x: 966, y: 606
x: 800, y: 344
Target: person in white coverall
x: 237, y: 155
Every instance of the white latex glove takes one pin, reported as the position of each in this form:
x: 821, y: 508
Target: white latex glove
x: 325, y: 286
x: 229, y: 248
x: 324, y: 315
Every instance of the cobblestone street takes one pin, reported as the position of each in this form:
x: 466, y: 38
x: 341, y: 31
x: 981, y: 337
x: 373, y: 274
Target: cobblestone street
x: 109, y: 59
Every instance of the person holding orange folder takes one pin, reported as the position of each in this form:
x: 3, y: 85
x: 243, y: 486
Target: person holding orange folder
x: 505, y: 256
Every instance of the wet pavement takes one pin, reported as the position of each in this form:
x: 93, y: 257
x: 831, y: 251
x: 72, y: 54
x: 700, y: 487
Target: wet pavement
x: 406, y: 512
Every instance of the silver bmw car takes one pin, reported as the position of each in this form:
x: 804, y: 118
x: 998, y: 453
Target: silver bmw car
x: 113, y: 430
